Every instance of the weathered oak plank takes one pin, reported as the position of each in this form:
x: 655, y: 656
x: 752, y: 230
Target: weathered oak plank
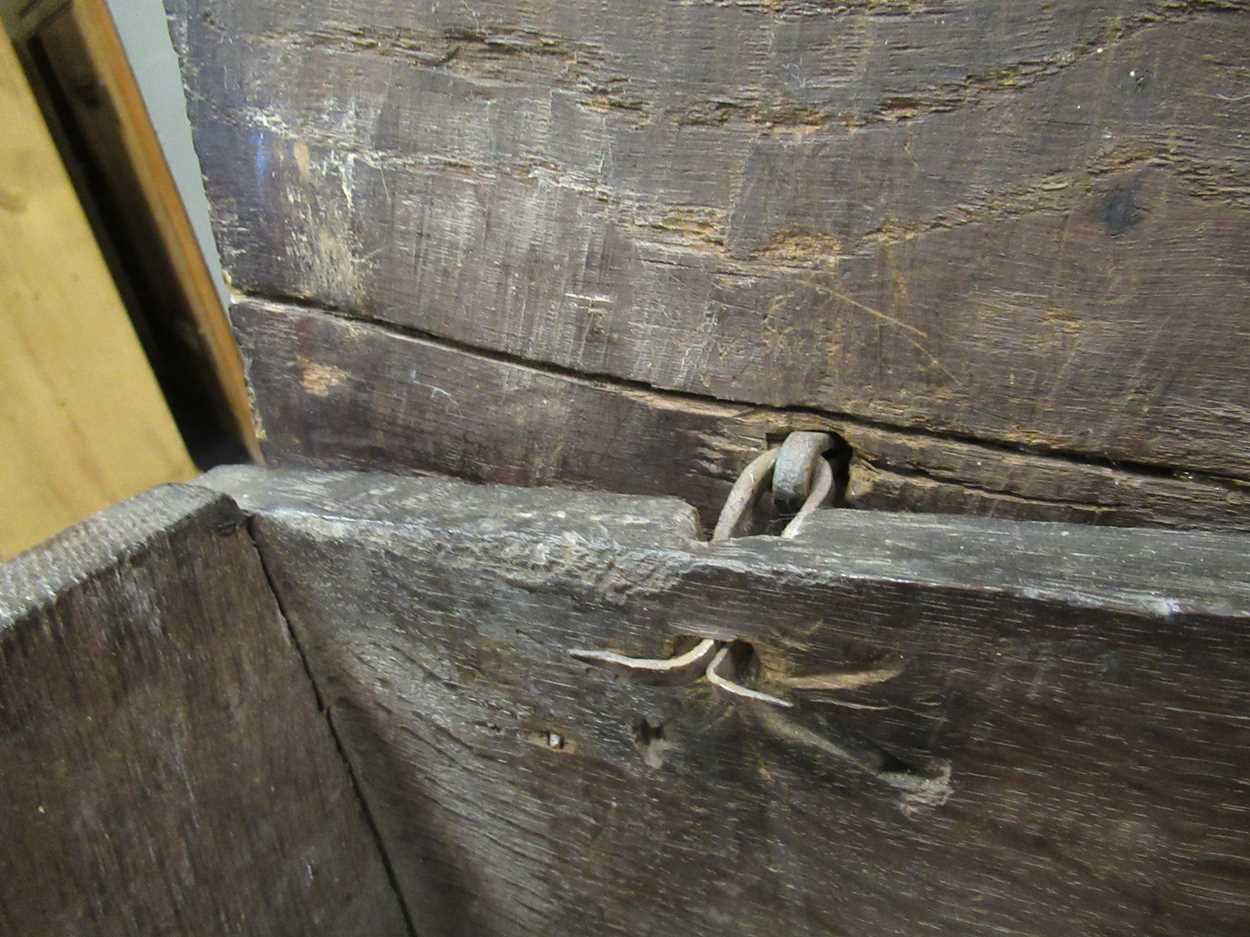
x: 1022, y: 223
x: 1048, y: 734
x: 354, y: 395
x: 163, y: 763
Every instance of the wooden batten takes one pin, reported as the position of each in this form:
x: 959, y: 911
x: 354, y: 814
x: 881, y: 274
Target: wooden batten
x: 83, y: 423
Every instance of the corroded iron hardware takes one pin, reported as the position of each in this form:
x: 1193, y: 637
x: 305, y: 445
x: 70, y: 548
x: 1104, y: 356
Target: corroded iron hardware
x: 800, y: 475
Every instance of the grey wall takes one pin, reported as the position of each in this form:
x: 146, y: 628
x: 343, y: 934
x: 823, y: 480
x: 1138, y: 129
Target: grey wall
x: 141, y: 24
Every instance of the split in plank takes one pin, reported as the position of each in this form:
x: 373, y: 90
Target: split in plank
x: 356, y: 395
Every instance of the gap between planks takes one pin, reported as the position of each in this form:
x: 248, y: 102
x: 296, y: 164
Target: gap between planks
x: 375, y: 832
x: 735, y: 408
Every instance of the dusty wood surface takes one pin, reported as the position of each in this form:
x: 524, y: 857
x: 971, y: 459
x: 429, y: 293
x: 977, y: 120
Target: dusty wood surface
x: 998, y: 728
x: 359, y: 396
x: 1017, y: 223
x: 164, y: 766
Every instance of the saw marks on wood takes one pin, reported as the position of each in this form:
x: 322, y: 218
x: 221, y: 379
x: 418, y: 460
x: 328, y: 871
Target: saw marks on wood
x: 164, y: 762
x: 997, y: 728
x: 1012, y: 225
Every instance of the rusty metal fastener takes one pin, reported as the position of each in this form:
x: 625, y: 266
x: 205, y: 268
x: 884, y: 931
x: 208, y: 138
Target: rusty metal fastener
x: 797, y: 463
x: 799, y: 467
x: 684, y: 668
x: 717, y: 678
x: 800, y: 475
x: 708, y: 659
x: 744, y: 493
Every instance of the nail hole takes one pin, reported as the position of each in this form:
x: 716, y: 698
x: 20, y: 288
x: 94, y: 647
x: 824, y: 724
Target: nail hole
x: 551, y: 740
x: 646, y: 733
x: 649, y: 737
x: 921, y: 785
x: 745, y: 664
x: 889, y: 763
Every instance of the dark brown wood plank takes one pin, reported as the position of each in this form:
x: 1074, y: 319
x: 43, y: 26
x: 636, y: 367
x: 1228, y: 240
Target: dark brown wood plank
x: 164, y: 765
x: 342, y: 394
x: 1022, y: 223
x: 1048, y: 733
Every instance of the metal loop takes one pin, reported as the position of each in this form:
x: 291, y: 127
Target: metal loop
x: 818, y: 497
x: 751, y: 483
x: 744, y: 493
x: 722, y: 681
x: 799, y: 457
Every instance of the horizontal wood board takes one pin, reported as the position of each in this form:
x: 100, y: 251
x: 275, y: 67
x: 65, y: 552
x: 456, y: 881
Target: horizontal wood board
x: 1018, y: 224
x: 999, y: 728
x: 354, y: 395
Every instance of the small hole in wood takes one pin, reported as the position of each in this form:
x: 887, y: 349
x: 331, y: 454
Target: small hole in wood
x: 645, y: 733
x: 552, y: 740
x: 649, y: 737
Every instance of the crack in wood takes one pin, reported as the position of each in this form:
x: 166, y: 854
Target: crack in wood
x: 519, y: 55
x: 327, y: 710
x: 731, y: 409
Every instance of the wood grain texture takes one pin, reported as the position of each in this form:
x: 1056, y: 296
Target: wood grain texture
x: 1019, y: 223
x: 95, y: 77
x: 82, y: 421
x: 164, y: 765
x: 354, y: 395
x: 1041, y: 730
